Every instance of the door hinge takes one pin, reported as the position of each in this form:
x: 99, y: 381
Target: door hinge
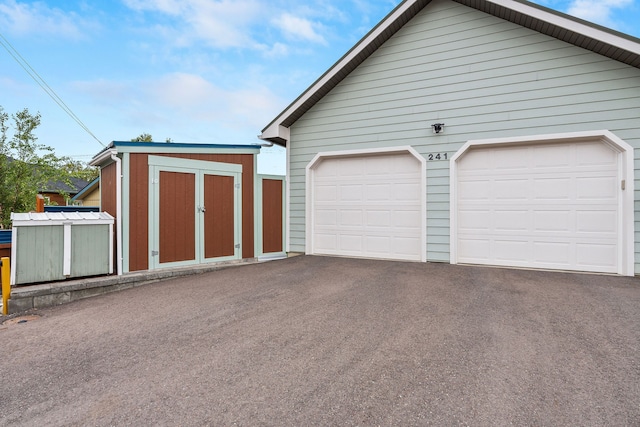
x: 237, y: 246
x: 155, y: 181
x: 155, y: 253
x: 237, y: 185
x: 623, y: 184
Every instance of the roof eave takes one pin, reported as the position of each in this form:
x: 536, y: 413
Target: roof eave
x: 573, y: 24
x: 275, y: 133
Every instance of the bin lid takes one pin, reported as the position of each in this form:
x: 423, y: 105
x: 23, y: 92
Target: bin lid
x: 59, y: 218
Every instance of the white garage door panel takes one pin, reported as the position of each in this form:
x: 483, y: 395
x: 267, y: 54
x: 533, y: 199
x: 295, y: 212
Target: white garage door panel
x: 546, y: 206
x: 368, y: 206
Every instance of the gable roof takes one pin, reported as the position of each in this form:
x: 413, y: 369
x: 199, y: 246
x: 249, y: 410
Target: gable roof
x: 604, y: 41
x: 87, y: 189
x: 71, y: 187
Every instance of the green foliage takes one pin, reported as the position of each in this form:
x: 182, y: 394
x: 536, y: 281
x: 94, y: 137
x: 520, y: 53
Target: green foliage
x: 146, y: 137
x: 77, y: 169
x: 25, y: 165
x: 143, y: 137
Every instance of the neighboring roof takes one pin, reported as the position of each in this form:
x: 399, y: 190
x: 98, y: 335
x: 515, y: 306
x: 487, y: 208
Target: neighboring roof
x: 87, y: 189
x: 604, y: 41
x: 169, y: 147
x: 72, y: 187
x: 56, y: 186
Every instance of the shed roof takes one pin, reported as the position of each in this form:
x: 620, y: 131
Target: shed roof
x: 57, y: 218
x: 170, y: 147
x: 604, y: 41
x: 178, y: 145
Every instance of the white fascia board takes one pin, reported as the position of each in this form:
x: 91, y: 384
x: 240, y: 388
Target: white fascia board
x: 276, y: 131
x: 571, y: 25
x: 103, y: 157
x: 176, y: 149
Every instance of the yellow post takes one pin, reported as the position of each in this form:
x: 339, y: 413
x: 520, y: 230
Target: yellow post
x: 6, y: 284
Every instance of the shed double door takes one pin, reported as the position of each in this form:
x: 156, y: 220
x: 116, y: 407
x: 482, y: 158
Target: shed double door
x: 195, y: 217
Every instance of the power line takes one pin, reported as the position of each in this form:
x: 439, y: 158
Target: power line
x: 43, y: 84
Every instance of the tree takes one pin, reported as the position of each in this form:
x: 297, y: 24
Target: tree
x: 146, y: 137
x: 143, y: 137
x: 25, y: 165
x: 78, y: 169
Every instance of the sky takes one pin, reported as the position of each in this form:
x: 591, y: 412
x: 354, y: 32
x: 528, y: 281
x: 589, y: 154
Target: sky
x: 206, y: 71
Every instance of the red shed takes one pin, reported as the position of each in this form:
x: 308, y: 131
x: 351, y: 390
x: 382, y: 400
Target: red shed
x: 182, y: 204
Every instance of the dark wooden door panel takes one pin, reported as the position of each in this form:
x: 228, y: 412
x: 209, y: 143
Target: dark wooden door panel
x: 272, y: 216
x: 177, y: 217
x: 219, y: 216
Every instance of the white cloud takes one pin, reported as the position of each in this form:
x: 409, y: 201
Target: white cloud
x: 37, y: 18
x: 108, y: 92
x: 226, y: 23
x: 180, y: 98
x: 182, y: 106
x: 222, y: 24
x: 298, y: 28
x: 598, y: 11
x: 182, y: 91
x: 237, y: 23
x: 277, y: 50
x: 172, y: 7
x: 194, y: 96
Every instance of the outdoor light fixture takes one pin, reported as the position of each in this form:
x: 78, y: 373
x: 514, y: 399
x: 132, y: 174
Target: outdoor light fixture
x: 437, y: 127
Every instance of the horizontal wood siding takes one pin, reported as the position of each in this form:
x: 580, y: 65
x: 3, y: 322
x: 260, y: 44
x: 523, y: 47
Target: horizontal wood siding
x: 139, y: 204
x: 480, y: 75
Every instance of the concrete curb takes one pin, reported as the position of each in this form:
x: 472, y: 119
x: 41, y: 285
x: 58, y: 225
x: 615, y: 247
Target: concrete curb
x: 25, y: 298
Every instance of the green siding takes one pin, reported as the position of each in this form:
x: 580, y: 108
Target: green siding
x: 484, y: 78
x: 39, y: 254
x: 89, y: 250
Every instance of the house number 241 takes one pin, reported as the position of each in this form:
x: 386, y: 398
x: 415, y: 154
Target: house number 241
x: 437, y: 156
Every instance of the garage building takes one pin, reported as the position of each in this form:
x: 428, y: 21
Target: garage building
x: 482, y: 132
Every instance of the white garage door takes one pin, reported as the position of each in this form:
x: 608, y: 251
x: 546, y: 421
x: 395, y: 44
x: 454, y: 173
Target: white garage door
x: 368, y: 206
x: 543, y: 206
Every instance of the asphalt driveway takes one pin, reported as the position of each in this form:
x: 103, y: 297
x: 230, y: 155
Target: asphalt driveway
x: 327, y: 341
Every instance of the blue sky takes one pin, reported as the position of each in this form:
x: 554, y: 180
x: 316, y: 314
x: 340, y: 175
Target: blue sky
x: 214, y: 71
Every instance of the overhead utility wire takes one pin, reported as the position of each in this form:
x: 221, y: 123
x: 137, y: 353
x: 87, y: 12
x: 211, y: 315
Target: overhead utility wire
x: 43, y: 84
